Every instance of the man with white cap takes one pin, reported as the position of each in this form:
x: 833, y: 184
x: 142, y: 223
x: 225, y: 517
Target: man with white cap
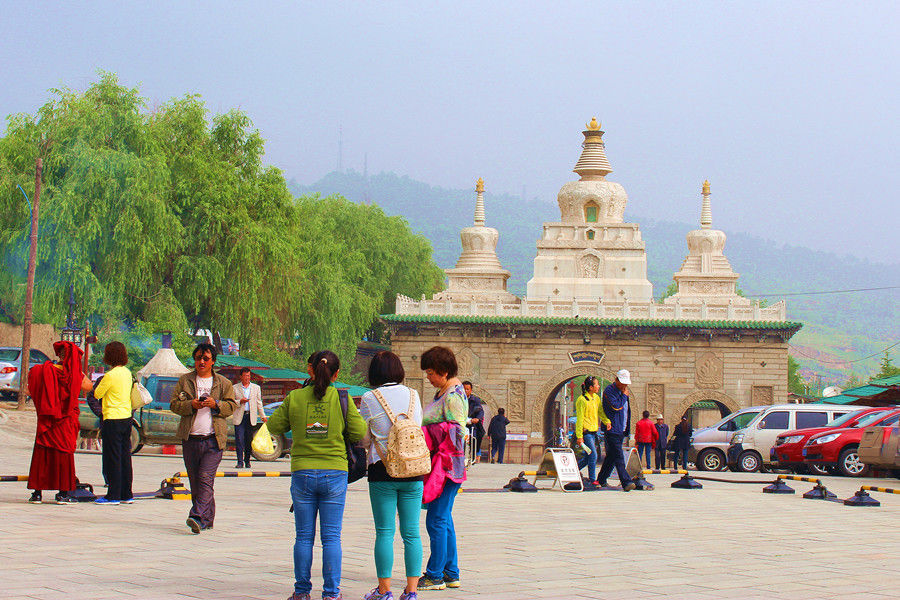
x: 615, y: 405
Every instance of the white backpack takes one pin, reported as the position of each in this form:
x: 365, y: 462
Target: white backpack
x: 406, y: 453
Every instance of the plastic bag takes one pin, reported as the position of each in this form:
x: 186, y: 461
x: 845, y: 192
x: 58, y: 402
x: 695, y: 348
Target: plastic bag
x: 262, y: 441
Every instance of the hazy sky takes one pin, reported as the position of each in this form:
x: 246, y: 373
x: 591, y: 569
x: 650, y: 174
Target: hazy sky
x: 790, y: 109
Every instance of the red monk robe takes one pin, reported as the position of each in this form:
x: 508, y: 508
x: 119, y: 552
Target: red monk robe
x: 54, y: 390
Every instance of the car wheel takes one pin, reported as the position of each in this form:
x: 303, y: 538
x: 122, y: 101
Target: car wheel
x: 749, y: 462
x: 278, y: 448
x: 711, y: 460
x: 137, y: 441
x: 817, y: 469
x: 849, y: 464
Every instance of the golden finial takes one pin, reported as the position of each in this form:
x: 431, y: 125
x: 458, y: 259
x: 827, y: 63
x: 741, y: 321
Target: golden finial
x: 593, y: 125
x: 706, y: 187
x: 479, y: 185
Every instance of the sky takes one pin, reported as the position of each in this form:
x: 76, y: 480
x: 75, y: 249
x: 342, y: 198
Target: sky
x: 788, y: 108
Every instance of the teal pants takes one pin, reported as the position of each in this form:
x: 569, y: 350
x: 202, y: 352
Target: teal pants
x: 402, y: 498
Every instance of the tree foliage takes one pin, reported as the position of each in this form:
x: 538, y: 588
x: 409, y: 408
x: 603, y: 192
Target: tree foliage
x: 169, y: 220
x: 887, y: 368
x: 796, y: 384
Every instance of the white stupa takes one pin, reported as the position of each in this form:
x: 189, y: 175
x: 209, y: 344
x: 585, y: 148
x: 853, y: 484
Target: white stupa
x: 706, y: 275
x: 478, y: 275
x: 591, y: 254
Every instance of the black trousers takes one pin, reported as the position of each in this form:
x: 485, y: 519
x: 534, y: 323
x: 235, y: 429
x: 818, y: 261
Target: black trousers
x: 614, y: 458
x: 660, y: 454
x: 243, y: 439
x: 117, y: 458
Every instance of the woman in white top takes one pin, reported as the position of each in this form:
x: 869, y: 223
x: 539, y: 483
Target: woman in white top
x: 390, y: 496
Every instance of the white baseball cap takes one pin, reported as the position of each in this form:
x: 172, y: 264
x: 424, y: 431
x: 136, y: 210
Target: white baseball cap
x: 624, y: 376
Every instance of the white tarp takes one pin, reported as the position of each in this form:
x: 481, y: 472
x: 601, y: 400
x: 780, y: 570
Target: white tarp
x: 165, y: 362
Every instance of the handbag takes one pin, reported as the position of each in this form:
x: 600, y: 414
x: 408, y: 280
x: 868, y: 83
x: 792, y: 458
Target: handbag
x: 140, y: 396
x: 356, y: 454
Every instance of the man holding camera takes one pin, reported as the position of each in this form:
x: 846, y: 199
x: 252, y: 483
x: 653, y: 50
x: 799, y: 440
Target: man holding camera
x: 205, y: 400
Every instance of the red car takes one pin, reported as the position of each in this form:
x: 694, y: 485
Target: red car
x: 838, y: 448
x: 788, y: 449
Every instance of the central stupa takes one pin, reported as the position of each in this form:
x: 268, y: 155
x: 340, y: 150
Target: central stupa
x: 591, y: 254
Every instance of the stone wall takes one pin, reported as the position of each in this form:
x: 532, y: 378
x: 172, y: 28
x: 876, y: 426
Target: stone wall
x: 668, y: 372
x: 42, y: 337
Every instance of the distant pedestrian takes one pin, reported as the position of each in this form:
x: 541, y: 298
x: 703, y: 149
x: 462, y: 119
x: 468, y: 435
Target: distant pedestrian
x: 247, y: 417
x: 683, y: 433
x: 646, y: 436
x: 588, y: 417
x: 444, y: 420
x: 54, y: 389
x: 391, y: 498
x: 475, y: 421
x: 315, y: 419
x: 204, y: 400
x: 662, y: 431
x: 114, y: 392
x: 497, y: 432
x: 618, y: 411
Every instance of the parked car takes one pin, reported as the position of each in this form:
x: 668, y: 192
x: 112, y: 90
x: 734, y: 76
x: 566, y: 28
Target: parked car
x: 840, y: 448
x: 750, y: 449
x: 709, y: 444
x: 11, y: 367
x: 156, y: 424
x: 880, y: 448
x: 788, y: 450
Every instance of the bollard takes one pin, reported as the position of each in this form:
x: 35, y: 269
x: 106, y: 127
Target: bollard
x: 687, y: 483
x: 520, y: 484
x: 861, y: 498
x: 171, y: 488
x: 641, y: 483
x: 819, y: 492
x: 778, y: 487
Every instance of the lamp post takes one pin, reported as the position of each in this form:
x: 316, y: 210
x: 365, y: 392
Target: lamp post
x: 72, y: 332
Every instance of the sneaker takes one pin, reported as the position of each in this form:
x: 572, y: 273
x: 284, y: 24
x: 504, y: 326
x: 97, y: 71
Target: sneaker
x: 65, y: 499
x: 296, y: 596
x: 426, y: 583
x: 451, y: 582
x: 193, y: 524
x: 376, y: 595
x: 128, y: 501
x: 239, y: 466
x: 409, y: 596
x: 106, y: 501
x: 35, y: 498
x: 629, y: 486
x: 602, y: 483
x: 340, y: 596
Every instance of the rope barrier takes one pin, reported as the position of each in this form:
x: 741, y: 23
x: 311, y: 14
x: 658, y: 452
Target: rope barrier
x: 243, y: 474
x: 13, y: 477
x: 872, y: 488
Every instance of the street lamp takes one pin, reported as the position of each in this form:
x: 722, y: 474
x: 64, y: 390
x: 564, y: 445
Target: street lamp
x: 72, y: 332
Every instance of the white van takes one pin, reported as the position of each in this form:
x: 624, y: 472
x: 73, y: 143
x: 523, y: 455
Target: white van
x: 750, y: 447
x: 709, y: 445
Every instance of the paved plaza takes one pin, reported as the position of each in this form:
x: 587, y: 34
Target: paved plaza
x: 724, y: 541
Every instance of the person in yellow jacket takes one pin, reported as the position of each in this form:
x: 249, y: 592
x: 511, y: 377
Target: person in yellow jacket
x: 588, y: 417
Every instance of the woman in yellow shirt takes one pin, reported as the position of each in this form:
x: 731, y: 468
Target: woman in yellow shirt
x: 588, y: 416
x: 114, y: 390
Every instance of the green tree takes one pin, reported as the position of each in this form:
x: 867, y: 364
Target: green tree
x: 886, y: 367
x: 796, y: 384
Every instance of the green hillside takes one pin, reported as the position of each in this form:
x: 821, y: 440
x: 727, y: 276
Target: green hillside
x: 838, y: 328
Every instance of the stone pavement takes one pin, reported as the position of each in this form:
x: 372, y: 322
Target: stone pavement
x: 724, y: 541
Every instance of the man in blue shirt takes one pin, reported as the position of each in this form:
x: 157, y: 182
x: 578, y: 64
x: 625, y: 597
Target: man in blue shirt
x: 615, y: 405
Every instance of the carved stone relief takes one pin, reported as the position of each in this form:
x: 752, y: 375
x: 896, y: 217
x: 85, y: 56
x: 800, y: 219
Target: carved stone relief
x: 710, y: 371
x: 656, y: 398
x: 762, y: 394
x: 515, y: 408
x: 469, y: 364
x: 589, y: 266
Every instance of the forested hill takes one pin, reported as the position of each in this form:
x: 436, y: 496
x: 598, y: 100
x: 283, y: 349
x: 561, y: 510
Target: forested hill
x: 837, y: 327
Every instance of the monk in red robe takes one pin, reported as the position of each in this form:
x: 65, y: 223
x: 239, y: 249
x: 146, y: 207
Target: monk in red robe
x: 55, y: 388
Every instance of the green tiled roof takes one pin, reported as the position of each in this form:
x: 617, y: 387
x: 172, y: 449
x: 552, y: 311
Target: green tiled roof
x: 776, y: 325
x: 230, y: 360
x: 280, y: 374
x: 353, y: 390
x: 840, y: 399
x: 895, y: 380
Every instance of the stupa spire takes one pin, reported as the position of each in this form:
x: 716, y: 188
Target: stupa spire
x: 593, y: 164
x: 479, y: 203
x: 706, y: 211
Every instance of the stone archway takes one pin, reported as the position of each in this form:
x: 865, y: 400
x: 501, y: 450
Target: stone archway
x: 552, y: 384
x: 701, y: 395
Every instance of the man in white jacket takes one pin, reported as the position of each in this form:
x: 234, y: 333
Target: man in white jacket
x: 246, y: 417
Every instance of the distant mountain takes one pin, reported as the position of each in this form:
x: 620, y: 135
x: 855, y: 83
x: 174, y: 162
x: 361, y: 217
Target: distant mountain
x: 838, y: 328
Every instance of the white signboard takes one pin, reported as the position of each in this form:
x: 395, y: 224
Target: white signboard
x: 516, y: 437
x: 566, y: 465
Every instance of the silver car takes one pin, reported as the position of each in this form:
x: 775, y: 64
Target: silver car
x: 709, y: 445
x: 11, y: 367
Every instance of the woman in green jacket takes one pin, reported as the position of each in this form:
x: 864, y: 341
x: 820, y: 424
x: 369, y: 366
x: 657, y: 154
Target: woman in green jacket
x: 319, y: 470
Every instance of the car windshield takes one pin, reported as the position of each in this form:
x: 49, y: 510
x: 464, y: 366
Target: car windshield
x: 742, y: 419
x: 870, y: 418
x: 842, y: 419
x: 9, y: 353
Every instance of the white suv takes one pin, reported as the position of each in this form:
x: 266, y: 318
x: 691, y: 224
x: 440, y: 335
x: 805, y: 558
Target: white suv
x: 710, y: 444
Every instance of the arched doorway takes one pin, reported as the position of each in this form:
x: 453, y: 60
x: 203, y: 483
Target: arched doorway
x: 705, y: 407
x: 554, y: 406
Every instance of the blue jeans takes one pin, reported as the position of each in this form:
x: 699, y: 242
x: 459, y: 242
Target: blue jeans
x: 321, y: 491
x: 389, y: 500
x: 644, y: 450
x: 683, y: 451
x: 590, y: 440
x: 439, y: 523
